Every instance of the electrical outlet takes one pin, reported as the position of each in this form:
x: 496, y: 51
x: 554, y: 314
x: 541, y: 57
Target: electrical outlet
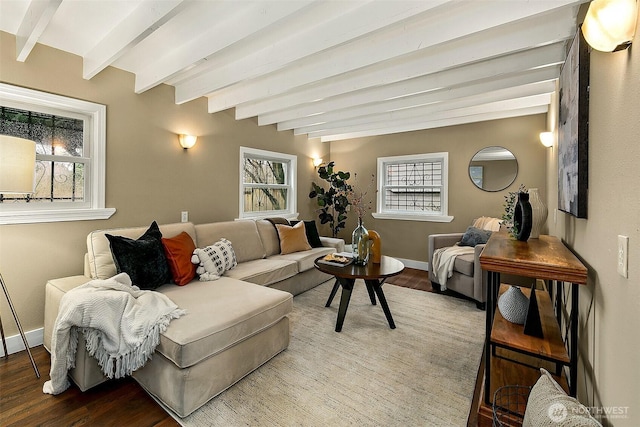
x: 623, y: 256
x: 184, y: 217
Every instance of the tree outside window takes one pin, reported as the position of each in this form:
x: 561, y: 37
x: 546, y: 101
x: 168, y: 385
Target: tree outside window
x: 267, y: 184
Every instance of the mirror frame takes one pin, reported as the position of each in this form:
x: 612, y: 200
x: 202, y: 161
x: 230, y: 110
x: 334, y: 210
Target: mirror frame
x: 515, y: 175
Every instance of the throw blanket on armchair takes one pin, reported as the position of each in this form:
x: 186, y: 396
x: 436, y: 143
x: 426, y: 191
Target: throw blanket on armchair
x: 121, y: 323
x: 443, y: 260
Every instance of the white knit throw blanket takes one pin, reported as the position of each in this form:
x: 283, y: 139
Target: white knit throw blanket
x: 443, y: 261
x: 121, y: 324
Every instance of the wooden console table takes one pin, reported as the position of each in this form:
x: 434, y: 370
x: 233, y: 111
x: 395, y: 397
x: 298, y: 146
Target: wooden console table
x: 545, y: 258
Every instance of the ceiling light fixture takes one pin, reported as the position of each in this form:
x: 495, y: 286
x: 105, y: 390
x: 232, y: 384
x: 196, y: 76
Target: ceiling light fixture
x: 610, y: 25
x: 187, y: 141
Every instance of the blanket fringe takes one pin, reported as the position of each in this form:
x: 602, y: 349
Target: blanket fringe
x: 73, y: 345
x: 118, y: 366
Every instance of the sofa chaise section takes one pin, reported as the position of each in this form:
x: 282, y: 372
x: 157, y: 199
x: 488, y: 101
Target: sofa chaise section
x: 232, y: 326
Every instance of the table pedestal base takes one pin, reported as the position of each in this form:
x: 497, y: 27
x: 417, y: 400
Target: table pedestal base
x: 374, y: 287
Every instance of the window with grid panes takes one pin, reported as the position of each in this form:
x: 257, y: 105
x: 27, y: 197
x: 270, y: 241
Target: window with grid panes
x: 69, y: 174
x: 413, y: 187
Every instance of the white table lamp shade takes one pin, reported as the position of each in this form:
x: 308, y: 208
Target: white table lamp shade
x: 17, y: 164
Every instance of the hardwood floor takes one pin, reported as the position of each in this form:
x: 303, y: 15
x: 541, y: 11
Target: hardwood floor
x: 115, y: 403
x: 412, y: 278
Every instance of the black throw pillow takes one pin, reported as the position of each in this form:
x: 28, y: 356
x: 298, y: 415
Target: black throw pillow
x: 278, y: 220
x: 143, y: 259
x: 474, y: 236
x: 312, y: 233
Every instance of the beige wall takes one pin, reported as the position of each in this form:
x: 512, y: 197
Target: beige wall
x: 609, y: 304
x: 408, y: 239
x: 149, y: 177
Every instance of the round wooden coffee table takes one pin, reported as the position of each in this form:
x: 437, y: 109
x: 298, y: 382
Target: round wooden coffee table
x: 374, y: 276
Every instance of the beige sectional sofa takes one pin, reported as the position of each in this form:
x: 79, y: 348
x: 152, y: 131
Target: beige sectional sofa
x: 232, y: 326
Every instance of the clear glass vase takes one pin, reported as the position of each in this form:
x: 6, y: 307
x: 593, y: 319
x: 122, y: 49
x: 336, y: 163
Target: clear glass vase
x: 360, y: 244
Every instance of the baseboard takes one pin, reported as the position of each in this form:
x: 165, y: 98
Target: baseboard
x: 418, y: 265
x: 15, y: 344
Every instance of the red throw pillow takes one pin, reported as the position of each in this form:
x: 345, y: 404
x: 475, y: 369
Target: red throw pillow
x: 179, y: 250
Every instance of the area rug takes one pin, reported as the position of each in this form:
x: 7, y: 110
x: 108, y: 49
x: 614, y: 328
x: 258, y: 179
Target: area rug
x: 422, y: 373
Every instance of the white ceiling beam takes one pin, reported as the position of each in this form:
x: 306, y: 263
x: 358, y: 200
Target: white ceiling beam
x: 328, y: 25
x: 295, y: 104
x: 217, y: 35
x: 401, y: 118
x: 529, y: 83
x: 306, y: 19
x: 144, y: 20
x: 194, y: 22
x: 432, y: 124
x: 35, y: 21
x: 269, y: 44
x: 532, y: 95
x: 488, y: 40
x: 491, y: 44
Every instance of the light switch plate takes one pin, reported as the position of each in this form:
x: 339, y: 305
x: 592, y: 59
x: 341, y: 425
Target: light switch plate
x: 623, y: 256
x: 184, y: 216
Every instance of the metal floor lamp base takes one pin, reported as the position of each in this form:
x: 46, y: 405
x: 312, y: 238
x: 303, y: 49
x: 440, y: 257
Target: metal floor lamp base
x: 24, y: 339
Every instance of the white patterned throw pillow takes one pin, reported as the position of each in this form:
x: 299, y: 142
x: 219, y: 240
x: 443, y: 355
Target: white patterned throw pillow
x: 549, y: 406
x: 214, y: 260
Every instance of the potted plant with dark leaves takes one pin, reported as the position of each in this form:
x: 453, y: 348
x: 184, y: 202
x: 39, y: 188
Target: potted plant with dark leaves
x: 332, y: 201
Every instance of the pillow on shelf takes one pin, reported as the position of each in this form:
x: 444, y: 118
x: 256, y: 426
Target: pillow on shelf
x: 310, y: 229
x: 549, y: 405
x: 142, y: 259
x: 474, y: 236
x: 178, y: 250
x: 292, y: 239
x: 214, y: 260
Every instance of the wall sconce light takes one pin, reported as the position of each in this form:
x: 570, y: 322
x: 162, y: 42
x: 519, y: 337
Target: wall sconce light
x: 546, y: 138
x: 187, y: 141
x: 317, y: 161
x: 610, y: 25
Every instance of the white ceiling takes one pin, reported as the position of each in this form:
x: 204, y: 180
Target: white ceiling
x: 329, y: 69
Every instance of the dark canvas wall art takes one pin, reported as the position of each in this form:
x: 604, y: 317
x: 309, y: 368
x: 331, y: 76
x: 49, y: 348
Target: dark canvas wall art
x: 573, y: 130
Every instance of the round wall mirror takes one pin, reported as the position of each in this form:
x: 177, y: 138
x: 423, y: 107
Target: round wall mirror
x: 493, y: 169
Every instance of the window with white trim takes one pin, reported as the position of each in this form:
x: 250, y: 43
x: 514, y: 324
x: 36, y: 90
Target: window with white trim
x: 413, y: 187
x: 267, y: 184
x: 70, y: 137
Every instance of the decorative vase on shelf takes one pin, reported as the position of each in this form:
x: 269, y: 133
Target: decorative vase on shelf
x: 522, y: 216
x: 513, y: 305
x: 375, y: 252
x: 360, y: 244
x: 539, y: 213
